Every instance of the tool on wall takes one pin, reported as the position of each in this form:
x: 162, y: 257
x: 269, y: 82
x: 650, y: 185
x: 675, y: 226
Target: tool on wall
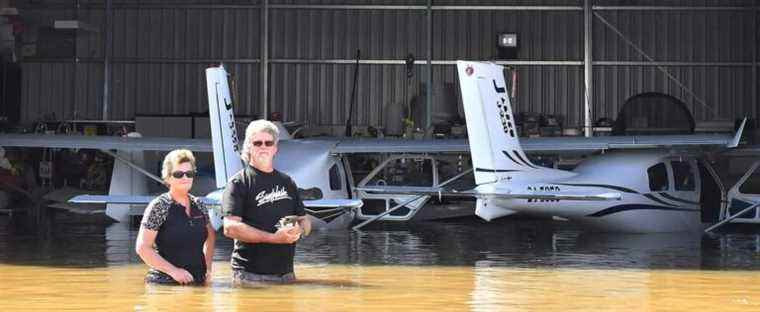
x: 353, y: 95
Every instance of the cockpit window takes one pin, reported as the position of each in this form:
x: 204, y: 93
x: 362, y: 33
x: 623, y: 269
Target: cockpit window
x: 752, y: 184
x: 335, y: 178
x: 658, y: 177
x: 683, y: 176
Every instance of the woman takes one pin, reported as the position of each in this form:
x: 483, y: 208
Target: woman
x: 176, y: 239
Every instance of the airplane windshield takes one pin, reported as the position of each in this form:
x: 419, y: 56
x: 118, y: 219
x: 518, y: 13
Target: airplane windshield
x: 658, y: 177
x: 683, y: 176
x: 335, y: 181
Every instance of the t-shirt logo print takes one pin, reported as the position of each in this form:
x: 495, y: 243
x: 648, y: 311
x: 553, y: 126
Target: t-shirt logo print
x: 277, y: 193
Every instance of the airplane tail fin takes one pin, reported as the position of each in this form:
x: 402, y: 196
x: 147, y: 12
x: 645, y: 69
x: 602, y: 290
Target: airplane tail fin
x: 494, y: 145
x: 738, y: 136
x: 224, y: 137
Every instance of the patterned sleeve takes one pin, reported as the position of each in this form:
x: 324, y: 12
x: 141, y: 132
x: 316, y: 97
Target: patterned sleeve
x: 155, y: 214
x: 202, y: 208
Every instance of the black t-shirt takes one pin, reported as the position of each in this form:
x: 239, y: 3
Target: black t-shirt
x: 260, y: 199
x: 180, y: 237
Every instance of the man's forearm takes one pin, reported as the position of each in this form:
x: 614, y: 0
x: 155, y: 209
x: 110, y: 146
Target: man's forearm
x: 246, y: 233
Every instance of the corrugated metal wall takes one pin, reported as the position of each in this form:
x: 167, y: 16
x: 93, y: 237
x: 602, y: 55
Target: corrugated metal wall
x: 320, y: 93
x: 161, y: 47
x: 723, y: 40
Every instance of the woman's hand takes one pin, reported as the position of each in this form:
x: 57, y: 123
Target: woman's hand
x: 182, y: 276
x: 209, y: 273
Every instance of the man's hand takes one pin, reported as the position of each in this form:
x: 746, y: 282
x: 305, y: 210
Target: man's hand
x: 305, y: 224
x: 287, y: 235
x: 298, y: 230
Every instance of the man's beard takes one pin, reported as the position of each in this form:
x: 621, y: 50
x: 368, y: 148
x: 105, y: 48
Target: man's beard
x: 263, y: 159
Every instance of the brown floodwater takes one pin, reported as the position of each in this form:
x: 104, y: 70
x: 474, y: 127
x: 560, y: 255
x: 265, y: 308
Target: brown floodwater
x: 448, y: 266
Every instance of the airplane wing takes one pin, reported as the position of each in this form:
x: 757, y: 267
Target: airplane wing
x: 104, y: 142
x: 538, y: 145
x: 123, y: 199
x: 388, y: 145
x: 214, y: 215
x: 441, y: 192
x: 333, y: 203
x: 145, y: 199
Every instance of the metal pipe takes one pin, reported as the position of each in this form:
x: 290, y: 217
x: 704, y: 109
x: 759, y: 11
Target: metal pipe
x: 755, y: 82
x: 348, y: 7
x: 668, y: 8
x: 265, y: 58
x: 505, y: 8
x: 587, y: 68
x: 131, y: 6
x: 136, y: 60
x: 74, y: 73
x: 429, y: 77
x: 691, y: 64
x: 107, y: 58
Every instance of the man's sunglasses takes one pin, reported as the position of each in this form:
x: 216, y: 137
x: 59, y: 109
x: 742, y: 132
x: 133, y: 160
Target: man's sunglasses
x: 178, y: 174
x: 260, y: 143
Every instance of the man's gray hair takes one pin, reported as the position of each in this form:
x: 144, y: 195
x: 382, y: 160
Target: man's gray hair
x: 256, y: 126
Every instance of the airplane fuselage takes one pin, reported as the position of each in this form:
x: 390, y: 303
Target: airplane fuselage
x: 658, y: 193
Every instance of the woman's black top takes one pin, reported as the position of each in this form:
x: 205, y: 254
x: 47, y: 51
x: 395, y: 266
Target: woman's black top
x: 180, y: 237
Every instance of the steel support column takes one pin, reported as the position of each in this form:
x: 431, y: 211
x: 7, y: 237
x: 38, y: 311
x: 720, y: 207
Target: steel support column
x: 106, y: 59
x: 587, y: 68
x: 265, y: 59
x: 755, y: 82
x: 429, y: 78
x: 75, y: 79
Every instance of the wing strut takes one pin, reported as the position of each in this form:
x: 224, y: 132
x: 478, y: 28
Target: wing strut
x: 727, y: 220
x: 377, y: 217
x: 136, y: 167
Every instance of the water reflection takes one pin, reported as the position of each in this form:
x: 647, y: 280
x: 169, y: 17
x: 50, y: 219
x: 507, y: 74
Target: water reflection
x: 467, y: 242
x: 457, y: 265
x: 529, y: 244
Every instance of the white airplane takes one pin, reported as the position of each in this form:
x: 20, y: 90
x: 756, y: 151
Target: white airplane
x: 332, y: 205
x: 320, y: 163
x: 655, y: 189
x: 317, y: 165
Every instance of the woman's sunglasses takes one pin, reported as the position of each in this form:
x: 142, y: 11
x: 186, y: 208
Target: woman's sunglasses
x: 178, y: 174
x: 260, y: 143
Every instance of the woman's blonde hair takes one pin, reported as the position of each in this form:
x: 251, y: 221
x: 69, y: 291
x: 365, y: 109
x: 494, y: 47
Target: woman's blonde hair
x: 175, y: 158
x: 254, y: 127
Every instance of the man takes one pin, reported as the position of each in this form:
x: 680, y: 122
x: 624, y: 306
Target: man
x: 255, y: 199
